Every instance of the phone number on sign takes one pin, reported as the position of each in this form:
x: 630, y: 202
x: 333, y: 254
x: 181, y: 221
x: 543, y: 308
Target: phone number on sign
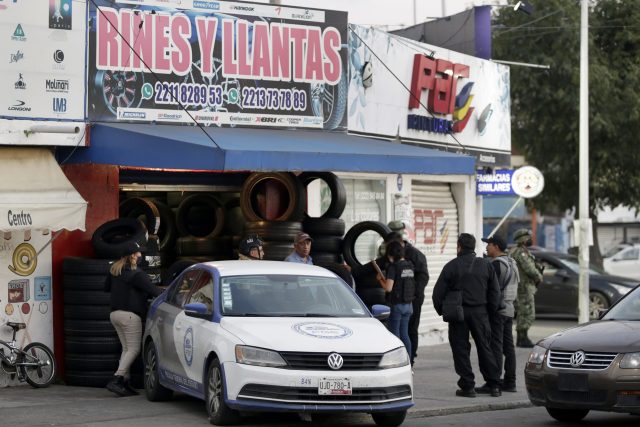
x: 188, y: 94
x: 274, y: 99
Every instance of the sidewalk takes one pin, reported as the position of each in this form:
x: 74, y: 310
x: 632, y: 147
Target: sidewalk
x: 434, y: 382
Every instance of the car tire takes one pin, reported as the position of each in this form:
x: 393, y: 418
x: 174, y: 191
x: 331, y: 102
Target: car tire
x: 167, y: 232
x: 154, y: 391
x: 143, y: 209
x: 200, y: 215
x: 92, y: 345
x: 217, y: 410
x: 273, y: 231
x: 324, y: 226
x: 567, y: 415
x: 79, y: 266
x: 81, y: 362
x: 113, y: 236
x: 89, y: 298
x: 338, y: 192
x: 84, y: 282
x: 82, y: 312
x: 89, y: 328
x: 349, y: 242
x: 294, y: 209
x: 389, y: 419
x: 330, y: 244
x: 597, y: 302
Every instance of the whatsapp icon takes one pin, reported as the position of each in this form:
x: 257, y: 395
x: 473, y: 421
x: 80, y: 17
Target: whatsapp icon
x: 147, y: 91
x: 233, y: 96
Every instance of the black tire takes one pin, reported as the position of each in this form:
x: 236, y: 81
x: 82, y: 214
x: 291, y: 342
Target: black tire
x: 389, y: 419
x: 352, y: 235
x: 273, y: 231
x: 200, y: 215
x: 88, y: 378
x: 368, y: 281
x: 143, y: 209
x: 326, y: 257
x: 154, y: 391
x: 324, y: 226
x: 295, y: 196
x: 86, y: 266
x: 82, y: 312
x: 567, y: 415
x: 112, y: 237
x: 87, y: 297
x: 89, y: 328
x: 91, y: 362
x: 330, y: 244
x: 42, y: 375
x: 175, y: 269
x: 217, y: 410
x: 167, y: 233
x: 338, y: 192
x: 233, y: 219
x: 277, y: 251
x: 186, y: 246
x: 371, y: 296
x: 84, y: 282
x: 339, y: 270
x: 92, y: 345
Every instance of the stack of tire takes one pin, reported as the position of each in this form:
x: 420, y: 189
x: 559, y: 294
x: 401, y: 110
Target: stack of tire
x: 276, y: 228
x: 367, y: 287
x: 92, y: 348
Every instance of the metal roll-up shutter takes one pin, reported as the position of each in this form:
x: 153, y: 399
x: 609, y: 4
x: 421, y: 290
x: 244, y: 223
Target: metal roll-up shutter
x: 435, y: 220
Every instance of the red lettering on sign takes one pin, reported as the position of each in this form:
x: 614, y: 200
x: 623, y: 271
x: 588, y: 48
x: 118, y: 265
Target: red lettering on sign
x: 426, y: 224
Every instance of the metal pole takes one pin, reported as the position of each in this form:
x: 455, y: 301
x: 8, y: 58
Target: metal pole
x: 415, y: 13
x: 504, y: 218
x: 583, y: 284
x: 444, y: 10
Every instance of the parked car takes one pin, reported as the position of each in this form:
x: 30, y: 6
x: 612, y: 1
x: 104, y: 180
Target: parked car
x: 625, y: 262
x: 558, y: 293
x: 595, y: 366
x: 273, y: 336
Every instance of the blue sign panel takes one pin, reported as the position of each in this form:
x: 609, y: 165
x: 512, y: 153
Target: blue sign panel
x: 42, y: 288
x: 497, y: 183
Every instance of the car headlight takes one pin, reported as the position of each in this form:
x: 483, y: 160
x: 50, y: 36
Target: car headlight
x: 394, y: 359
x: 630, y: 361
x: 536, y: 356
x: 621, y: 289
x: 258, y: 356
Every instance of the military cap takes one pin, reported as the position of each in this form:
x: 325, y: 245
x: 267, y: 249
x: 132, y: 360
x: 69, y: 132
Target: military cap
x: 520, y: 234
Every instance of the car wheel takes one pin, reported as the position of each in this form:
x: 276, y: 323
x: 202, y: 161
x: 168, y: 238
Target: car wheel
x: 568, y: 415
x: 219, y: 413
x: 389, y: 419
x: 154, y: 391
x: 597, y: 302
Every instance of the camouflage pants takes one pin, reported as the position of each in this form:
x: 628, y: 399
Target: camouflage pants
x: 526, y: 306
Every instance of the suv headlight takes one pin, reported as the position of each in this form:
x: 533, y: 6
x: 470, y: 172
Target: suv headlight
x: 622, y: 290
x: 536, y: 356
x: 258, y: 356
x: 630, y: 361
x: 394, y: 359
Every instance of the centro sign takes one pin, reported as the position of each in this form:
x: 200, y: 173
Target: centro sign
x: 440, y: 78
x: 19, y: 219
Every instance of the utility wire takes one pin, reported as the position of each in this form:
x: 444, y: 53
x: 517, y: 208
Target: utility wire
x: 464, y: 149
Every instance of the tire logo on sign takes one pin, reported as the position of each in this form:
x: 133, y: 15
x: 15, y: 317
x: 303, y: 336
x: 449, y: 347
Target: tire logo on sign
x: 335, y: 361
x: 24, y: 260
x: 577, y: 359
x: 188, y: 346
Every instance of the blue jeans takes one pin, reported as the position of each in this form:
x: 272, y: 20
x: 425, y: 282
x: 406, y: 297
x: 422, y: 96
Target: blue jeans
x: 398, y: 323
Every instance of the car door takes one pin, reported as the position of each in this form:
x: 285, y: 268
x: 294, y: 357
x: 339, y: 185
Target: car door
x: 192, y: 336
x: 626, y: 263
x: 167, y: 314
x: 557, y: 293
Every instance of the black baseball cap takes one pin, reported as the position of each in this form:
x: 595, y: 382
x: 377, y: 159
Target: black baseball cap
x: 496, y: 240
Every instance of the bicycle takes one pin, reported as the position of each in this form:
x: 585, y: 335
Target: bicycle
x: 34, y: 364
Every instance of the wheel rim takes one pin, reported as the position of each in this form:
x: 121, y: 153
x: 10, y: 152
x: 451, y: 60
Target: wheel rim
x: 150, y: 370
x: 215, y: 391
x: 42, y: 373
x: 596, y: 303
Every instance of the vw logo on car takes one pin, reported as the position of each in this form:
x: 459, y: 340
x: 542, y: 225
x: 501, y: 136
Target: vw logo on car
x: 577, y: 359
x: 335, y: 361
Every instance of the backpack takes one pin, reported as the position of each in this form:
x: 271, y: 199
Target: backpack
x: 511, y: 275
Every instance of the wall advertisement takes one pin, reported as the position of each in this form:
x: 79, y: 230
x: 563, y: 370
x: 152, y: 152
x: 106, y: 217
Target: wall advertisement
x: 42, y: 59
x: 429, y: 95
x: 218, y: 63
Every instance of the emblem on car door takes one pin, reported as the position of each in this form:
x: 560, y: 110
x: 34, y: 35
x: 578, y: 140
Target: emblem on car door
x: 335, y: 361
x: 577, y: 359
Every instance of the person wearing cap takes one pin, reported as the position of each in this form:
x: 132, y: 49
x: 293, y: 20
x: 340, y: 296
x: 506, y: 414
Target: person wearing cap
x: 301, y: 249
x: 250, y: 248
x: 530, y: 278
x: 502, y: 323
x: 130, y: 288
x: 476, y: 279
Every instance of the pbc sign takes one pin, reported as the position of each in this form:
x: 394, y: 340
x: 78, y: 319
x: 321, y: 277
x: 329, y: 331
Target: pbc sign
x: 440, y: 78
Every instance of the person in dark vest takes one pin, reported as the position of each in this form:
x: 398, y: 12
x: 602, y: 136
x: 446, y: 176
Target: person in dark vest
x: 476, y: 279
x: 400, y: 287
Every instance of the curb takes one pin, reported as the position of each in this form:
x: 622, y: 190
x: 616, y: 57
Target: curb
x: 437, y: 412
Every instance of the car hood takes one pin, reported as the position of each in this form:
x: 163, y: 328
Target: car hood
x: 618, y: 280
x: 348, y: 335
x: 612, y: 336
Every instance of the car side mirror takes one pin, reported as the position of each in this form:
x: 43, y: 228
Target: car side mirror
x: 380, y: 312
x: 562, y: 274
x: 602, y: 312
x: 197, y: 309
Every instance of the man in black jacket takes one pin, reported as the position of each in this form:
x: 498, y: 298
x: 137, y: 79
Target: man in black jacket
x: 480, y: 299
x: 421, y: 277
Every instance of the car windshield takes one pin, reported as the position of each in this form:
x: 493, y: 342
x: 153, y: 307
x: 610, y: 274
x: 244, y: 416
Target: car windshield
x: 573, y: 265
x: 614, y: 250
x: 627, y: 309
x: 276, y: 295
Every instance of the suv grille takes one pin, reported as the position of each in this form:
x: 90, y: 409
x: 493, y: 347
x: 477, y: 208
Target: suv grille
x: 307, y: 394
x: 318, y: 361
x: 592, y: 361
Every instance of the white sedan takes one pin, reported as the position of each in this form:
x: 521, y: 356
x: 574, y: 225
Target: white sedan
x: 273, y: 336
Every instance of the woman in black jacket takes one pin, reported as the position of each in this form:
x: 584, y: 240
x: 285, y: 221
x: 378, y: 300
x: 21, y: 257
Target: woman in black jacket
x: 130, y: 288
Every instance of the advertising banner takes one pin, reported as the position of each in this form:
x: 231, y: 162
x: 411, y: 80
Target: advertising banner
x: 42, y: 59
x: 429, y: 95
x: 496, y: 183
x: 218, y: 63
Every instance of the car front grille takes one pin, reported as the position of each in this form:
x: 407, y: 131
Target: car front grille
x: 592, y: 361
x: 318, y: 361
x: 310, y: 394
x: 593, y: 396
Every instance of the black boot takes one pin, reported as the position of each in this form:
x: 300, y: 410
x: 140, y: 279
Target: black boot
x: 129, y: 387
x: 523, y: 340
x: 116, y: 385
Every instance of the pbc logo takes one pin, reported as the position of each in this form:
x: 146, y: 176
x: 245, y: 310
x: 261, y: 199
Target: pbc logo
x: 60, y: 105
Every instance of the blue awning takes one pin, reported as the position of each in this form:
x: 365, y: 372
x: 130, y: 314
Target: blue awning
x: 242, y: 149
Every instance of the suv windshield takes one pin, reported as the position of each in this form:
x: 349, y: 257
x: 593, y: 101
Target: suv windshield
x: 627, y: 309
x: 277, y: 295
x: 574, y: 265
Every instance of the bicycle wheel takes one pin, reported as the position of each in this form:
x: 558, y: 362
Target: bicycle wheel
x: 38, y: 367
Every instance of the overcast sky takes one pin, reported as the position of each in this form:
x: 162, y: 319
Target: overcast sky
x: 391, y: 13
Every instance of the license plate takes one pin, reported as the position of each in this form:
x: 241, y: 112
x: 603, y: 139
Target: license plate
x: 573, y: 382
x: 337, y: 386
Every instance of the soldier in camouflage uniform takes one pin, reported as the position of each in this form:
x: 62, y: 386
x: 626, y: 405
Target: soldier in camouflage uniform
x: 530, y: 278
